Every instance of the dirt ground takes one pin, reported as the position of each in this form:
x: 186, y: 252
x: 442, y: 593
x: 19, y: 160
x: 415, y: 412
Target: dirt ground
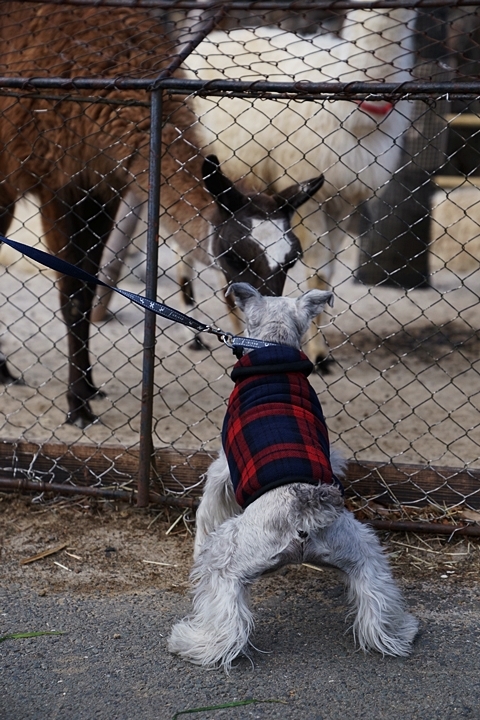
x: 403, y: 386
x: 117, y: 548
x: 107, y: 548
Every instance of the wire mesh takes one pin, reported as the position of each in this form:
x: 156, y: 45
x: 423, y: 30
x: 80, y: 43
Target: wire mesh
x: 383, y: 102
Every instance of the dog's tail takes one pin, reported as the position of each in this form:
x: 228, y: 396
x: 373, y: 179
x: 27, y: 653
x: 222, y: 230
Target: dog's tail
x: 314, y: 506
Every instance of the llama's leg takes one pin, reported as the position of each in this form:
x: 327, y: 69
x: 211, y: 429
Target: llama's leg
x: 320, y: 239
x: 231, y: 558
x: 115, y: 252
x: 78, y: 236
x: 7, y: 208
x: 218, y: 501
x: 233, y: 315
x: 188, y: 259
x: 6, y: 377
x: 185, y: 275
x: 381, y: 621
x: 185, y: 202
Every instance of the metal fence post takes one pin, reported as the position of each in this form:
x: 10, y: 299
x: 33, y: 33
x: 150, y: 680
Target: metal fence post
x: 153, y: 219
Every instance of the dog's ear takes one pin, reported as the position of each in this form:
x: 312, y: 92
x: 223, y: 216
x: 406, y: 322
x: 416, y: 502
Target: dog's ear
x: 242, y: 294
x: 313, y: 302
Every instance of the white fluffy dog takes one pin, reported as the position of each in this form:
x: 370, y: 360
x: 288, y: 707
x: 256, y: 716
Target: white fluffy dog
x: 268, y: 502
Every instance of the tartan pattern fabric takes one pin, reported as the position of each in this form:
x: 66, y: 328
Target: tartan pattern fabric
x: 274, y: 431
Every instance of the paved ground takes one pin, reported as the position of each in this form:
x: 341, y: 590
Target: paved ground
x: 112, y: 664
x: 116, y: 612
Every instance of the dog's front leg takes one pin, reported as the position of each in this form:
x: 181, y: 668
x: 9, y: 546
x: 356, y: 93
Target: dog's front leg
x: 381, y: 620
x: 218, y: 502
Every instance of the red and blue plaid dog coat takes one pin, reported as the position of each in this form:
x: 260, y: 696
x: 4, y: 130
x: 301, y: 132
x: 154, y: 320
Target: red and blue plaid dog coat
x: 274, y: 431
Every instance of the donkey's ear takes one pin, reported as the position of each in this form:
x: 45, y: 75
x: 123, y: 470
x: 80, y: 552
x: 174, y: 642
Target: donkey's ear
x: 243, y: 293
x: 297, y: 194
x: 223, y: 190
x: 313, y: 302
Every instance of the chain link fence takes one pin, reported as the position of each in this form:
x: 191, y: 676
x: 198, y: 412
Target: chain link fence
x: 383, y: 102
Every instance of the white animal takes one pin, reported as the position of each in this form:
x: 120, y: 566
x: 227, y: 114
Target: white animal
x: 357, y: 145
x: 287, y: 520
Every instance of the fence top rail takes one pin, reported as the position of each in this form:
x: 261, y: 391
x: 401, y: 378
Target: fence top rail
x: 296, y: 5
x: 302, y: 90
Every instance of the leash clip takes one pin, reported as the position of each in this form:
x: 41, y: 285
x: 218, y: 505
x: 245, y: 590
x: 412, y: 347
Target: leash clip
x: 227, y: 339
x: 222, y: 335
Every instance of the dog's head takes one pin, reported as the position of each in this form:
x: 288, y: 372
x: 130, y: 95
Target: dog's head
x: 278, y: 319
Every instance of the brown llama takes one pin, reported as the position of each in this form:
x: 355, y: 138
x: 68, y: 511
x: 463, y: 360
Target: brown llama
x: 79, y: 157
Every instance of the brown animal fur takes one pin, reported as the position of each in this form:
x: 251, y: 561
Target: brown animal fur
x: 78, y: 158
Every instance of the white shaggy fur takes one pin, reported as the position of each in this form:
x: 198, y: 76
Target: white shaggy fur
x: 289, y: 524
x: 358, y: 148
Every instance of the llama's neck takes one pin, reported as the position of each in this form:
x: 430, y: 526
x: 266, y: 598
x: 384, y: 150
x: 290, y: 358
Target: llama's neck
x: 379, y: 44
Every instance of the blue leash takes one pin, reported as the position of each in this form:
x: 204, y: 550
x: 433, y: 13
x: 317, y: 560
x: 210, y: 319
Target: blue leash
x: 235, y: 342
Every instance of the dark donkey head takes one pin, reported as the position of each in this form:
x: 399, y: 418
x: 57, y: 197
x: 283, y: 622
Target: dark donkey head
x: 253, y: 241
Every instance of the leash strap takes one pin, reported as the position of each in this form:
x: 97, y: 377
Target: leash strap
x: 235, y: 342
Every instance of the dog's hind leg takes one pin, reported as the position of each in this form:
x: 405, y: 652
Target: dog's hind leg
x: 381, y: 620
x: 218, y: 501
x: 231, y: 558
